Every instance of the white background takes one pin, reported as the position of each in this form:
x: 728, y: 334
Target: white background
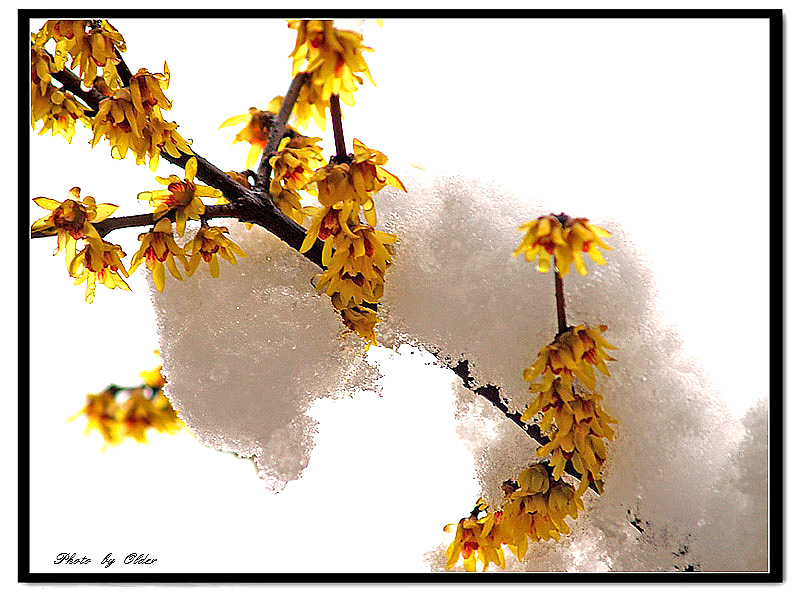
x: 77, y: 348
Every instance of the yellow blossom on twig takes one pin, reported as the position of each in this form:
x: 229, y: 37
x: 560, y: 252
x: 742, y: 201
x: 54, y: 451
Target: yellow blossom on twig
x: 71, y: 220
x: 208, y: 243
x: 565, y: 238
x: 333, y: 58
x: 573, y: 352
x: 182, y: 195
x: 158, y: 247
x: 86, y: 267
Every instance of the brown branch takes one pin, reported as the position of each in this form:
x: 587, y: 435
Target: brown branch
x: 338, y: 132
x: 146, y: 219
x: 278, y: 130
x: 492, y: 394
x: 561, y: 313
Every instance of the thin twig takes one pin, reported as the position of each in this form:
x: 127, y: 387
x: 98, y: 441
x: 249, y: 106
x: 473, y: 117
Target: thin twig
x: 561, y: 313
x: 338, y: 132
x: 277, y: 131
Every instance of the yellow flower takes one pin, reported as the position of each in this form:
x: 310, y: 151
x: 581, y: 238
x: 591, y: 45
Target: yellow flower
x: 209, y: 242
x: 292, y: 168
x: 333, y: 58
x: 147, y: 91
x: 348, y: 188
x: 355, y: 271
x: 581, y: 424
x: 182, y: 196
x: 41, y: 68
x: 104, y: 415
x: 67, y: 35
x: 573, y: 352
x: 127, y: 127
x: 86, y: 267
x: 362, y: 321
x: 159, y: 247
x: 564, y: 237
x: 71, y: 220
x: 476, y: 539
x: 98, y: 48
x: 256, y: 130
x: 57, y: 110
x: 142, y: 412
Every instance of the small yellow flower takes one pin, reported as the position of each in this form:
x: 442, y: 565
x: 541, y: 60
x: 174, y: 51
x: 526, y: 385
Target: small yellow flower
x: 86, y: 267
x: 292, y: 168
x: 182, y: 195
x: 104, y: 415
x: 476, y: 539
x: 71, y: 220
x: 565, y: 238
x: 574, y: 352
x: 256, y: 130
x: 67, y: 35
x: 355, y: 271
x: 333, y: 58
x: 147, y: 91
x: 98, y: 48
x: 208, y: 243
x: 158, y: 247
x: 57, y: 110
x: 362, y: 321
x: 128, y: 127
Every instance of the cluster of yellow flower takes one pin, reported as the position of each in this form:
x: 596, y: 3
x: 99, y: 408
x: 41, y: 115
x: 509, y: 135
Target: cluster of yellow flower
x: 535, y: 508
x: 564, y: 238
x: 573, y: 420
x: 292, y: 169
x: 144, y: 407
x: 98, y: 260
x: 332, y: 58
x: 129, y: 117
x: 355, y: 254
x: 58, y: 110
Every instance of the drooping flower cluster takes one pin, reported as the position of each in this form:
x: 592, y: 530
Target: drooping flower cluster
x: 108, y: 270
x: 565, y: 238
x: 333, y: 58
x: 131, y: 119
x: 129, y: 116
x: 535, y: 509
x: 58, y: 110
x: 96, y: 47
x: 355, y: 254
x: 121, y: 413
x: 208, y: 243
x: 575, y: 352
x: 573, y: 419
x: 292, y: 169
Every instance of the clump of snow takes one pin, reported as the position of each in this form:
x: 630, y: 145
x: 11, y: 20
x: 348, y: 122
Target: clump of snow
x: 246, y: 354
x: 456, y: 291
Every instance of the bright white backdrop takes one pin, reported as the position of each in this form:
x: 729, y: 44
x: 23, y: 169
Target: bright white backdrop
x: 657, y: 129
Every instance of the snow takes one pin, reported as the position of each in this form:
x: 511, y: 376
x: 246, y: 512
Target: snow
x: 247, y: 354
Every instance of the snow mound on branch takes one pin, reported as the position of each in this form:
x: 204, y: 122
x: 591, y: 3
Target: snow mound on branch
x: 456, y: 291
x: 245, y: 354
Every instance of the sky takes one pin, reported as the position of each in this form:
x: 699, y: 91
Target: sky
x: 630, y: 121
